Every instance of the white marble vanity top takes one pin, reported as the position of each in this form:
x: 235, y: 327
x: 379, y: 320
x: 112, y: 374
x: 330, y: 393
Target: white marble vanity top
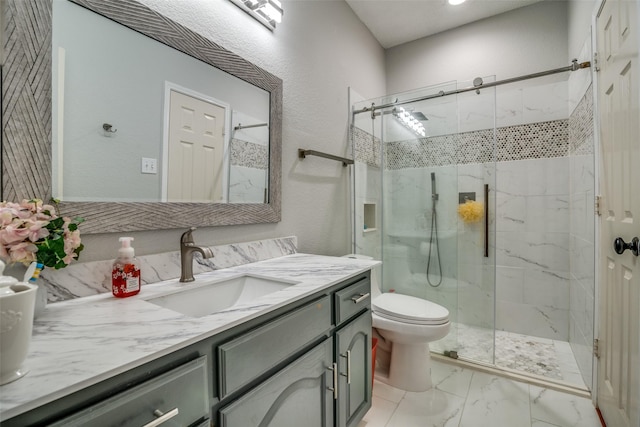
x: 80, y: 342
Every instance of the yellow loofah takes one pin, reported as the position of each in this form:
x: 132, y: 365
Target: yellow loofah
x: 470, y: 211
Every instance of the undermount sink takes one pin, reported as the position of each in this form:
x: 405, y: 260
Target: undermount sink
x: 204, y: 297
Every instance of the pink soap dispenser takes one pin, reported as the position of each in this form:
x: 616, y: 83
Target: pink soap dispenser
x: 125, y: 275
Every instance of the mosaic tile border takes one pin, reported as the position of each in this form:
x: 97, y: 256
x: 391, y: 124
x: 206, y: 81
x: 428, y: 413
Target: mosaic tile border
x: 581, y: 129
x: 249, y: 154
x: 531, y: 141
x: 556, y: 138
x: 366, y: 147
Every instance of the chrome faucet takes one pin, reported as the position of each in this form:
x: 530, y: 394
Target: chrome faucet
x: 187, y: 249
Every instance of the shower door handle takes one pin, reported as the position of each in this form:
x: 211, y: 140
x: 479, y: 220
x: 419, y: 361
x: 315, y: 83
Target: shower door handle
x: 620, y: 246
x: 486, y: 220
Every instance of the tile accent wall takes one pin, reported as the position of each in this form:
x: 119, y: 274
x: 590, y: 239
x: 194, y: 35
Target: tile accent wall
x: 366, y: 147
x: 528, y: 141
x: 581, y: 126
x: 249, y: 154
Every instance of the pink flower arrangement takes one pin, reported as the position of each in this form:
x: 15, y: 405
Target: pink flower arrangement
x: 32, y: 231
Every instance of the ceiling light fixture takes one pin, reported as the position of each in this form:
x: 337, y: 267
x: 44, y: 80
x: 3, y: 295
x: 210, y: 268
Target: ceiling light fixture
x: 456, y: 2
x: 409, y: 121
x: 267, y: 12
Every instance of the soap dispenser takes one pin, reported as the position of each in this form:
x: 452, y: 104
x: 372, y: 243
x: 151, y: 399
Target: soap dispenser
x: 125, y: 275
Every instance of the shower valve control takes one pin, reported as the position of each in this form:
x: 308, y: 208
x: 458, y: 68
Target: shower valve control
x: 620, y: 246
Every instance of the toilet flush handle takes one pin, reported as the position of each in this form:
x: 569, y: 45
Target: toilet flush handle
x: 360, y: 298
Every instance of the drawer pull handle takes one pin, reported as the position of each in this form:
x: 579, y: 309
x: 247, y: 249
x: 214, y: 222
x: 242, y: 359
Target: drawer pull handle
x: 360, y: 298
x: 162, y: 417
x: 334, y: 389
x: 347, y: 355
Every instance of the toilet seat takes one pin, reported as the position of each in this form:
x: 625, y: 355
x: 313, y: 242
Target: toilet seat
x: 408, y: 309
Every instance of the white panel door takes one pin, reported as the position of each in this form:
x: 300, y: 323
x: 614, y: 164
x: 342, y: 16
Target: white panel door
x: 196, y: 150
x: 619, y: 285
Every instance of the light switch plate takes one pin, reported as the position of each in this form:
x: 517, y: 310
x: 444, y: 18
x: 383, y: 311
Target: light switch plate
x: 149, y: 165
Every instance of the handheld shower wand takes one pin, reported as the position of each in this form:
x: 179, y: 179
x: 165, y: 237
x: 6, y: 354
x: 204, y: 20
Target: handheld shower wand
x: 434, y: 231
x: 434, y: 195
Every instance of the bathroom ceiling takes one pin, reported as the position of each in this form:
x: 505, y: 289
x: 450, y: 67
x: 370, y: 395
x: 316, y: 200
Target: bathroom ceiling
x: 393, y: 22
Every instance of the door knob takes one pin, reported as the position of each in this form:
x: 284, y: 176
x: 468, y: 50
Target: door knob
x: 620, y: 246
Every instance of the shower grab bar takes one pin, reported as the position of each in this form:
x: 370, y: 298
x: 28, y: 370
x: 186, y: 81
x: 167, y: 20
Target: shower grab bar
x: 304, y: 153
x: 486, y: 220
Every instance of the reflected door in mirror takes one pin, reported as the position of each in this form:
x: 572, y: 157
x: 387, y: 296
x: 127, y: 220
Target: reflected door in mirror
x: 196, y: 150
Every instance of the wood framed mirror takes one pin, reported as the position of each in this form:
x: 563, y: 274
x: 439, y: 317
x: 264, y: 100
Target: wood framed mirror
x: 27, y: 119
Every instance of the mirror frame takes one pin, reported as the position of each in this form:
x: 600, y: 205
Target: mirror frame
x: 26, y: 119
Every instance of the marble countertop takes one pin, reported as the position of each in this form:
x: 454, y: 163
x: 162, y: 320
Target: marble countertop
x: 80, y: 342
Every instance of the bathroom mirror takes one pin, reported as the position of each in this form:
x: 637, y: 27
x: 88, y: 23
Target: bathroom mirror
x: 27, y: 151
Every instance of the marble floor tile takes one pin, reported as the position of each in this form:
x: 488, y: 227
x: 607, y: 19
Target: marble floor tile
x: 379, y: 414
x: 387, y: 392
x: 430, y: 408
x: 451, y: 378
x: 561, y: 409
x: 496, y: 401
x: 538, y: 423
x: 489, y: 401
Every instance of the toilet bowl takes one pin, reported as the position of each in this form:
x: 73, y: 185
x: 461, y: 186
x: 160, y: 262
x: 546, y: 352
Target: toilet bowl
x: 406, y: 325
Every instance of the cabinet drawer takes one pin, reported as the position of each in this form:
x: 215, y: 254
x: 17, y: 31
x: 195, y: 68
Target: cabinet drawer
x: 183, y: 389
x: 256, y: 352
x: 352, y: 300
x: 298, y: 395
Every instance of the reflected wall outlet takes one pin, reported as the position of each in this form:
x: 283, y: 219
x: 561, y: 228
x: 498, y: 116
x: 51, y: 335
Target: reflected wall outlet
x: 149, y: 165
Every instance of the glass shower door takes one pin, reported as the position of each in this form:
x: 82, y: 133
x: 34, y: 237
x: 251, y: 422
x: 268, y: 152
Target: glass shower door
x: 424, y: 176
x: 476, y: 150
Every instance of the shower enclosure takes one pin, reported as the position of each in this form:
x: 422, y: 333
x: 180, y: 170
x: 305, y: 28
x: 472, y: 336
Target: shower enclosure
x: 476, y: 201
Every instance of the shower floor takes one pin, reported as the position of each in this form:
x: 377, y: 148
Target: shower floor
x: 539, y: 356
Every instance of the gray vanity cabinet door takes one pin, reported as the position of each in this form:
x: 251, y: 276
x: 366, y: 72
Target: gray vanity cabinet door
x: 353, y: 347
x: 298, y: 395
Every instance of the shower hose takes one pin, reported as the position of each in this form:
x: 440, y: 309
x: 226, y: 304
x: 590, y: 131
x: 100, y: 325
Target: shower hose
x: 434, y: 231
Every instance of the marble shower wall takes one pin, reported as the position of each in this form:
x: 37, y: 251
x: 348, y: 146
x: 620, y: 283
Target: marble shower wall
x: 532, y: 247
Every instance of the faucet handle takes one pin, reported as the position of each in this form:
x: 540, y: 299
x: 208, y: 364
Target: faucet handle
x: 187, y: 237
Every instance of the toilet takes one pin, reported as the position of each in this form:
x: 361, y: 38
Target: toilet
x: 405, y: 326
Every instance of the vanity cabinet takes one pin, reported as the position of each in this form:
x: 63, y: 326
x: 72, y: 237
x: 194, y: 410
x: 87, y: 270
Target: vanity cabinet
x: 250, y: 355
x: 176, y: 398
x: 299, y: 394
x: 306, y: 363
x: 329, y: 385
x: 353, y: 356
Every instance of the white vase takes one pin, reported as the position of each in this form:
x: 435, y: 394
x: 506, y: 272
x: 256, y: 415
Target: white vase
x: 16, y: 324
x: 18, y: 271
